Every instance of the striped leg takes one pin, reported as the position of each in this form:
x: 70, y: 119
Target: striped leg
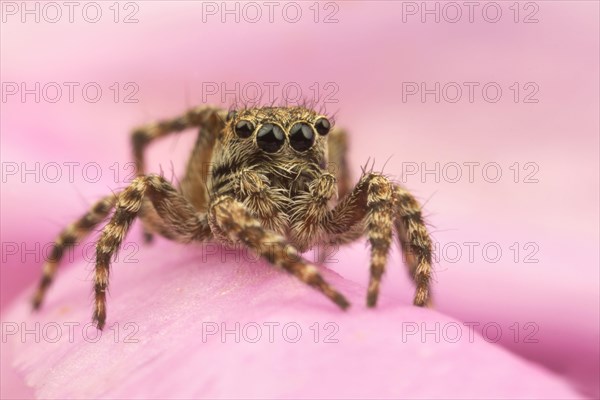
x: 416, y: 243
x: 141, y: 137
x: 382, y: 206
x: 181, y: 222
x: 230, y: 218
x: 369, y: 204
x: 379, y: 220
x: 210, y: 121
x: 68, y: 238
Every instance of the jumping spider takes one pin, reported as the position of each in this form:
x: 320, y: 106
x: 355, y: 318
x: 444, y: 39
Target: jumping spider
x: 267, y: 188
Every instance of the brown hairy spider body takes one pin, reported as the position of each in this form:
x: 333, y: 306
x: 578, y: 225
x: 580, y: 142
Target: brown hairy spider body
x: 258, y: 177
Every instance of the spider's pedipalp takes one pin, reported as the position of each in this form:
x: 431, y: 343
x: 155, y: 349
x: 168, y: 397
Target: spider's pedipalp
x: 267, y: 204
x: 68, y: 238
x: 310, y: 211
x: 234, y: 222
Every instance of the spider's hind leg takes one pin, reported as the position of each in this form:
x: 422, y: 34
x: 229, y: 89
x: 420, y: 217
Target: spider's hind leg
x: 209, y: 120
x: 416, y: 244
x: 67, y: 239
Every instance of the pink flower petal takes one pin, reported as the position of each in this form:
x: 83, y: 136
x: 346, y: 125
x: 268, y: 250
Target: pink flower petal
x: 166, y: 337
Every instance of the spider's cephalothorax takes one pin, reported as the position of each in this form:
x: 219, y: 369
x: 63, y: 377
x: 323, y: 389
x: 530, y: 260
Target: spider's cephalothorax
x: 263, y: 178
x: 282, y: 149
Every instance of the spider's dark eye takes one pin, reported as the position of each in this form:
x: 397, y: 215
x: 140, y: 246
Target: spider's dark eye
x: 270, y: 138
x: 244, y: 129
x: 302, y: 137
x: 322, y: 126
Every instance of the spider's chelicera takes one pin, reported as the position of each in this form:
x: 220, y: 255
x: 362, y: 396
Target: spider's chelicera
x: 268, y: 187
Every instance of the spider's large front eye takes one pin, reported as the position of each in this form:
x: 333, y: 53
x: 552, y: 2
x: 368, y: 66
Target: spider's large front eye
x: 322, y: 126
x: 270, y: 138
x: 302, y: 137
x: 244, y: 129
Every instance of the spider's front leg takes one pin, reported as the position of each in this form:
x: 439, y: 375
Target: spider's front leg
x: 179, y: 221
x: 231, y: 220
x: 381, y: 205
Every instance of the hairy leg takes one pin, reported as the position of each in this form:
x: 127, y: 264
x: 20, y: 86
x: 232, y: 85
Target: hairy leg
x: 209, y: 120
x: 369, y: 204
x: 415, y: 242
x: 142, y: 136
x: 378, y: 205
x: 68, y: 238
x: 234, y: 223
x: 181, y: 222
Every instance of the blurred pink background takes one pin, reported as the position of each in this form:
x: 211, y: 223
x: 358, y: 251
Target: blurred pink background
x: 550, y: 209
